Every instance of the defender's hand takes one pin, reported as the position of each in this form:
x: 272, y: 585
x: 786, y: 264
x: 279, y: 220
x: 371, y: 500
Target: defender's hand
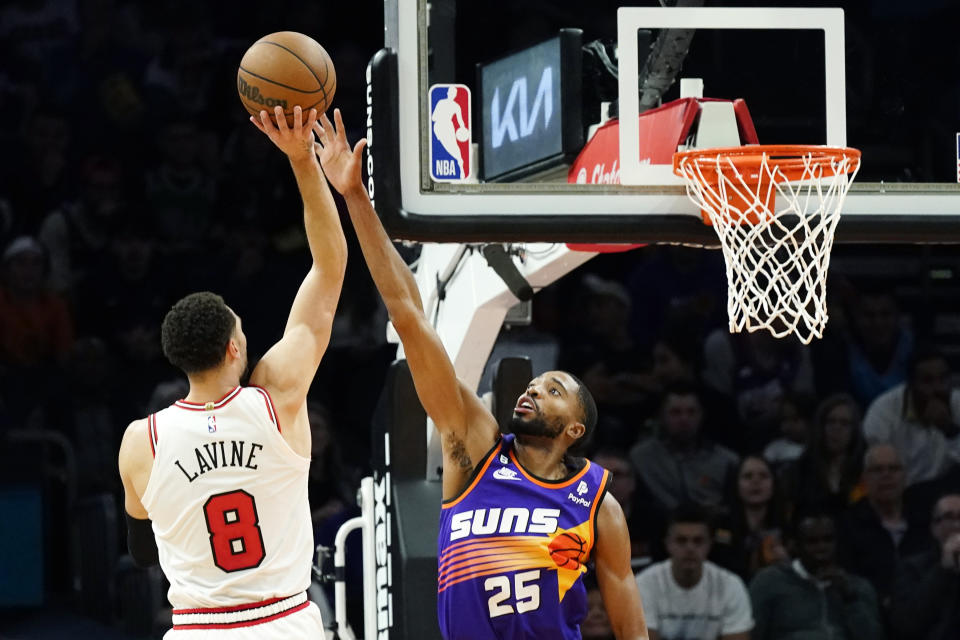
x: 341, y: 165
x: 296, y: 142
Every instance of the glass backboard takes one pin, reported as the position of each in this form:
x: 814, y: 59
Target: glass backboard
x: 549, y: 84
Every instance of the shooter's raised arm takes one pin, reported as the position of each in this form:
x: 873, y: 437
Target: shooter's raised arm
x: 289, y: 366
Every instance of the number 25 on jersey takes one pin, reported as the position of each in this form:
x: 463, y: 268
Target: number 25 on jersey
x: 527, y: 596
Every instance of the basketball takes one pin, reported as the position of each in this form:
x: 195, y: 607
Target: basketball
x: 566, y: 550
x: 462, y: 134
x: 287, y: 69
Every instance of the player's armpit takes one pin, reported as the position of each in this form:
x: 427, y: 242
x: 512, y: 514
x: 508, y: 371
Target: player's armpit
x: 615, y: 575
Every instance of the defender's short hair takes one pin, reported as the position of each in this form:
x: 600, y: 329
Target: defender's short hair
x: 588, y: 415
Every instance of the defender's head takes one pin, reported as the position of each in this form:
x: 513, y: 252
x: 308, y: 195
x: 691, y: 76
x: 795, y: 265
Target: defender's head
x: 556, y: 404
x: 201, y: 333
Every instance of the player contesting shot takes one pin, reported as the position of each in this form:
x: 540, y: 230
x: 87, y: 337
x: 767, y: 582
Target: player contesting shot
x: 219, y: 479
x: 521, y: 516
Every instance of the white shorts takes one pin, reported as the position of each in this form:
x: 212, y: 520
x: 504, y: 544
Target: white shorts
x: 303, y: 623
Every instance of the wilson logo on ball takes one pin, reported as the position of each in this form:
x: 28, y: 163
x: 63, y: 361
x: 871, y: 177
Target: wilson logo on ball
x: 252, y: 92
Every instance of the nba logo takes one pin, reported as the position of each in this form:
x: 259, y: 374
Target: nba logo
x: 449, y: 132
x: 212, y: 424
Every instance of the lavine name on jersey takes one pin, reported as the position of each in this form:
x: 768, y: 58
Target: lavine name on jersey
x: 216, y: 455
x: 481, y: 522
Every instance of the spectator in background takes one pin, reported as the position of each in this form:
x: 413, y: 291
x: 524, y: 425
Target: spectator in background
x: 35, y: 30
x: 828, y: 473
x: 687, y: 597
x: 78, y: 231
x: 87, y: 413
x: 677, y: 280
x: 876, y: 532
x: 796, y: 418
x: 676, y: 356
x: 813, y: 598
x: 920, y: 417
x: 166, y: 393
x: 35, y: 325
x: 36, y: 329
x: 181, y: 190
x: 755, y: 371
x: 596, y: 626
x: 129, y: 284
x: 679, y: 465
x: 608, y: 360
x: 332, y: 486
x: 182, y: 74
x: 40, y: 180
x: 874, y: 355
x: 925, y: 601
x: 642, y: 524
x: 750, y: 536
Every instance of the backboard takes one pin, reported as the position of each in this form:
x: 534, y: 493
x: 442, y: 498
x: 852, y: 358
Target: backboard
x: 542, y: 76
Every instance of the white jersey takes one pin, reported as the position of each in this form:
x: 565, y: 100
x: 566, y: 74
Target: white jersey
x: 716, y: 606
x: 228, y: 500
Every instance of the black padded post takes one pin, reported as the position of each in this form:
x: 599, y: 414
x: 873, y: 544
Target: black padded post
x: 409, y: 505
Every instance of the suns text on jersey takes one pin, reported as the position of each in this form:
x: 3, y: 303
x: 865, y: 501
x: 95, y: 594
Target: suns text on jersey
x: 220, y: 454
x: 483, y: 522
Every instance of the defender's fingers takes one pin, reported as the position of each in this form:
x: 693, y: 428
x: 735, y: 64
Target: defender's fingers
x: 359, y: 147
x: 311, y: 119
x: 341, y: 132
x: 327, y: 125
x: 321, y: 132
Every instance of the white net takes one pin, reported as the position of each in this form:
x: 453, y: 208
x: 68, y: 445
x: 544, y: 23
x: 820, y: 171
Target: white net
x: 775, y: 213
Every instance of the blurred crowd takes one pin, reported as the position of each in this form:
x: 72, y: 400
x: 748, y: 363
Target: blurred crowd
x: 753, y: 472
x: 773, y: 488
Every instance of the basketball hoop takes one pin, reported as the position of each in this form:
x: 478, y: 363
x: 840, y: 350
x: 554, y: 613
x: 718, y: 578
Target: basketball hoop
x: 775, y: 209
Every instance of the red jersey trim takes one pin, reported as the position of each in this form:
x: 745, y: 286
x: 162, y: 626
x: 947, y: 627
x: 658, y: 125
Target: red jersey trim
x: 152, y: 433
x: 248, y: 623
x: 239, y: 607
x: 270, y: 408
x: 208, y: 406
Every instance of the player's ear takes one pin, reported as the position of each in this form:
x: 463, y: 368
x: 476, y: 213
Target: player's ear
x: 233, y: 348
x: 576, y: 430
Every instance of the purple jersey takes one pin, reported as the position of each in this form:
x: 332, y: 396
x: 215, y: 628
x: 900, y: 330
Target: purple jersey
x: 512, y: 551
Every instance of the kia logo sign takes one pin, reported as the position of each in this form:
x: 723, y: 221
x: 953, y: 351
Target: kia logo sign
x: 527, y: 119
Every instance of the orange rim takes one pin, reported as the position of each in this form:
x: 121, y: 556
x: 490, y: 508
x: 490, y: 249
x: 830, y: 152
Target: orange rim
x: 790, y: 159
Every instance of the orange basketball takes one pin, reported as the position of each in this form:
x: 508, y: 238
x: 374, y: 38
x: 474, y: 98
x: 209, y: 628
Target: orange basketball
x: 567, y: 550
x: 287, y: 69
